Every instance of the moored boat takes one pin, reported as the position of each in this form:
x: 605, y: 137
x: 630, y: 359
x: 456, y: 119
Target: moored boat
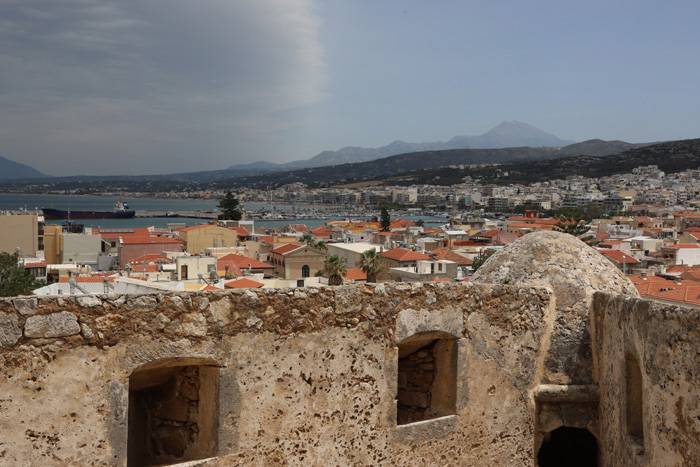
x: 121, y: 211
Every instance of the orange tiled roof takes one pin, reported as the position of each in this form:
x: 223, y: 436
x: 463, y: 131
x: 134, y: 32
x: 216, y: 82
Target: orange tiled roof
x: 242, y: 262
x: 243, y: 284
x: 400, y: 223
x: 85, y: 280
x: 241, y: 231
x: 287, y: 248
x: 144, y: 268
x: 401, y: 254
x: 152, y: 258
x: 449, y: 255
x: 355, y: 274
x: 673, y: 291
x: 619, y: 256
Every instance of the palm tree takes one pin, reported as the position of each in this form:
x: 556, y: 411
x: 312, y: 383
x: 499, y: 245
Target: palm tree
x: 371, y: 264
x: 308, y: 239
x: 334, y: 267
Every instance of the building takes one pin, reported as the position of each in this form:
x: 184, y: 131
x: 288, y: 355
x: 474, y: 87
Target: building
x: 566, y: 361
x: 297, y: 261
x: 200, y: 237
x: 22, y: 232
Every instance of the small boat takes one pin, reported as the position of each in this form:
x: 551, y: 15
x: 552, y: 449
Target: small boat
x: 121, y: 211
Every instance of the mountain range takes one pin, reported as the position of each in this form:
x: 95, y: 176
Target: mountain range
x: 505, y: 135
x: 12, y: 170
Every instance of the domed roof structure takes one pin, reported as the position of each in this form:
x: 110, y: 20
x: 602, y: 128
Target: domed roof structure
x: 574, y: 271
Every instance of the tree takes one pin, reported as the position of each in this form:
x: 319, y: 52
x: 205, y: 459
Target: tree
x: 230, y: 208
x: 14, y: 279
x: 334, y: 268
x: 385, y: 220
x: 371, y: 264
x: 481, y: 259
x: 420, y: 223
x: 309, y: 240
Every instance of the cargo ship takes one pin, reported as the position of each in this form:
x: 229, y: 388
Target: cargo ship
x: 121, y: 211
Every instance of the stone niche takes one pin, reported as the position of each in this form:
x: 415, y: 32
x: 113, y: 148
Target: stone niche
x: 426, y: 377
x: 172, y: 413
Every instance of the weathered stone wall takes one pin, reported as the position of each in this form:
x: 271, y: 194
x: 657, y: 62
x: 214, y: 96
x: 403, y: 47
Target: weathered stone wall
x: 665, y: 342
x: 310, y: 377
x: 305, y: 376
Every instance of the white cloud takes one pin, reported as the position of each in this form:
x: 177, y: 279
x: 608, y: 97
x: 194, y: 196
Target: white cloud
x: 152, y: 81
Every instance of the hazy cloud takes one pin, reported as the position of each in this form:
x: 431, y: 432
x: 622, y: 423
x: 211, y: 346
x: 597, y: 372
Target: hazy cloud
x: 152, y: 86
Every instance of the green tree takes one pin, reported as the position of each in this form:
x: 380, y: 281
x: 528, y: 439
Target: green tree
x: 384, y: 220
x: 230, y: 208
x: 14, y: 279
x: 481, y: 259
x: 420, y: 223
x: 371, y: 264
x: 334, y: 268
x: 309, y: 240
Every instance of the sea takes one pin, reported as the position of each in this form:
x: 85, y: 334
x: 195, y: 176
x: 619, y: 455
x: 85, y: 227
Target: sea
x: 16, y: 202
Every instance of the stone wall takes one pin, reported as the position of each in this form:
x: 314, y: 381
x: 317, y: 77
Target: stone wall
x: 305, y: 376
x: 311, y: 377
x: 664, y: 342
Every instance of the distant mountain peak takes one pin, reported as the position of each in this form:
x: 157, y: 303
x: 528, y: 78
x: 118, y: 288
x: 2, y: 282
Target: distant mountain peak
x: 505, y: 135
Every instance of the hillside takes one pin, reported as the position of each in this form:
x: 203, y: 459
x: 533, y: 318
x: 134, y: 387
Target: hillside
x: 670, y: 157
x: 506, y: 135
x: 10, y: 170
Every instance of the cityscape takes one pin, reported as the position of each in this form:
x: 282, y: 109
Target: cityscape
x: 294, y: 233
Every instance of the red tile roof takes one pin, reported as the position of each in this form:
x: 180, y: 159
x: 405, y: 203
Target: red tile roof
x: 243, y: 284
x: 86, y: 280
x: 401, y: 254
x: 673, y: 291
x: 618, y: 256
x: 400, y: 223
x: 150, y: 259
x: 355, y: 274
x: 241, y: 231
x: 287, y: 248
x: 242, y: 262
x: 449, y: 255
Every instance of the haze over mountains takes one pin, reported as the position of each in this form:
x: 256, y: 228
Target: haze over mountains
x: 505, y: 135
x: 506, y: 143
x: 10, y: 170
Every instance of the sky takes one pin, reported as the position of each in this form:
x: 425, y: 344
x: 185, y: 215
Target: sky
x: 103, y: 87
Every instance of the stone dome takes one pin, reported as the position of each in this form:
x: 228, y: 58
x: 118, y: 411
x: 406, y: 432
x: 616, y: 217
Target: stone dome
x: 574, y: 271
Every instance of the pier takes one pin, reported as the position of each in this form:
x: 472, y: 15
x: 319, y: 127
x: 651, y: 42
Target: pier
x: 181, y: 214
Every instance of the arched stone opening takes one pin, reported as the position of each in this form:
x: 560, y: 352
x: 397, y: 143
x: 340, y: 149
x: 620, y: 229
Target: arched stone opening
x: 173, y: 412
x: 573, y: 447
x: 427, y: 381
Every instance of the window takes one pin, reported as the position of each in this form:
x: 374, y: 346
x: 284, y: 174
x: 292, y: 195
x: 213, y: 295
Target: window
x: 173, y: 412
x: 633, y: 401
x: 305, y: 271
x: 427, y: 383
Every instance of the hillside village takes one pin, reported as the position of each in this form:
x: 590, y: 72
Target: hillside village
x: 656, y: 241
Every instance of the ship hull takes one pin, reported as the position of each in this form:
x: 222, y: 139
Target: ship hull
x: 58, y: 214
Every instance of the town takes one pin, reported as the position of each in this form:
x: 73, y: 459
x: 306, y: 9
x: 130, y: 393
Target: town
x: 644, y: 223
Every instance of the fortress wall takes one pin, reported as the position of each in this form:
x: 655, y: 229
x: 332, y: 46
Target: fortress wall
x: 659, y: 425
x: 272, y: 377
